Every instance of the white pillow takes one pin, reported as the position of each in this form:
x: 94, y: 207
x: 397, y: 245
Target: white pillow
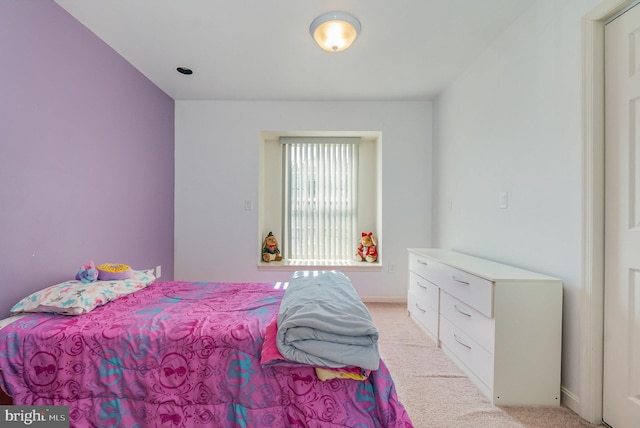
x: 76, y: 298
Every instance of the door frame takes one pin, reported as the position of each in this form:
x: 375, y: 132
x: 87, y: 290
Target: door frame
x: 589, y: 404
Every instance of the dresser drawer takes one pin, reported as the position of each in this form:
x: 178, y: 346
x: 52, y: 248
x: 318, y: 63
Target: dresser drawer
x: 476, y: 325
x: 473, y: 290
x: 425, y: 291
x: 420, y: 265
x: 477, y: 359
x: 426, y: 316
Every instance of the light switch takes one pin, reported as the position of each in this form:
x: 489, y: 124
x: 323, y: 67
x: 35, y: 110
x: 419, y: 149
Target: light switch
x: 503, y: 200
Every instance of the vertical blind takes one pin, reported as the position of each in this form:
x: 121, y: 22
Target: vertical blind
x: 321, y: 198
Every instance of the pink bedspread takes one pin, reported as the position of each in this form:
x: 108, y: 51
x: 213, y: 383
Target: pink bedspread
x: 181, y: 354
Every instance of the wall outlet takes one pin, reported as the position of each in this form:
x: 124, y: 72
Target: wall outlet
x: 158, y: 271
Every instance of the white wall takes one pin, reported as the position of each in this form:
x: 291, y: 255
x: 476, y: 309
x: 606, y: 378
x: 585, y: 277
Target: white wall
x: 512, y: 123
x: 217, y: 148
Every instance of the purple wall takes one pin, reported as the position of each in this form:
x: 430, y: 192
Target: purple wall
x: 86, y: 154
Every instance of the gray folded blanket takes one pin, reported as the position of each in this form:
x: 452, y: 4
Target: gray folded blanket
x: 323, y: 322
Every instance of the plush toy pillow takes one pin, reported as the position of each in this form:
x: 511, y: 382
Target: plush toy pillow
x: 111, y: 271
x: 87, y: 273
x: 76, y: 297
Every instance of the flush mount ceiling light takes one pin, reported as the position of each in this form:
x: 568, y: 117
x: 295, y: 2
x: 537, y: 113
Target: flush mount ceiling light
x: 335, y: 31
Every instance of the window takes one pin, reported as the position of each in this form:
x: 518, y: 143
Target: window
x: 322, y: 229
x: 320, y: 198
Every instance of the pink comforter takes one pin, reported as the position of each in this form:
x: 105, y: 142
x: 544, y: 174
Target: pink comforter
x: 181, y: 354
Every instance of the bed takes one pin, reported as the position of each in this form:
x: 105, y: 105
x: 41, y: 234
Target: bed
x: 185, y: 354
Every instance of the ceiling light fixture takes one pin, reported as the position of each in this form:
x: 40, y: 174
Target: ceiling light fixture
x: 335, y: 31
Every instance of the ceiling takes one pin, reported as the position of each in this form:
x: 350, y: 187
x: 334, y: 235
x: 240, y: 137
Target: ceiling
x: 262, y: 49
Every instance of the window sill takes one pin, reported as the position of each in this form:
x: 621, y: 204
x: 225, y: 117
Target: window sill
x: 294, y: 265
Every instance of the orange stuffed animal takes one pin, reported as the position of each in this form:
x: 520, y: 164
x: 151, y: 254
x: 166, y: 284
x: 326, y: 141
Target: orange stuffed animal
x: 367, y: 248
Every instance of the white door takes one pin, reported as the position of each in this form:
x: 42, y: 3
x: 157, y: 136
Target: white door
x: 621, y: 405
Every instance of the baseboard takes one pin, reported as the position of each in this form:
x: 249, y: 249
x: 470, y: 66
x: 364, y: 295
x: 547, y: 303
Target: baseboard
x: 385, y: 299
x: 570, y: 400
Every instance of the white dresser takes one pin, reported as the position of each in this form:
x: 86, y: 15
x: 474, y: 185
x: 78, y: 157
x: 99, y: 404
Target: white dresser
x: 501, y: 325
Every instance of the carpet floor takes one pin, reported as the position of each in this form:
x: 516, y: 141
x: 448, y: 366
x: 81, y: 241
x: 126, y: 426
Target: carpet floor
x: 436, y: 393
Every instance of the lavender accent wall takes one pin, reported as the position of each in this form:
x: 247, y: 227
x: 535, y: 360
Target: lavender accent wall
x: 86, y: 154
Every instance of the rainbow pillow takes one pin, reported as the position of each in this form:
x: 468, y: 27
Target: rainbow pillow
x: 113, y: 271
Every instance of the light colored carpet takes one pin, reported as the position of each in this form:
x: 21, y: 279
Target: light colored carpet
x: 436, y: 393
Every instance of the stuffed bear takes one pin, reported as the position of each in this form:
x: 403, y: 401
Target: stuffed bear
x: 367, y: 248
x: 270, y: 249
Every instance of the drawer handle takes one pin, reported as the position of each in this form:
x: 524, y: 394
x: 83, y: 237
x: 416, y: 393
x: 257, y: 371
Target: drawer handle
x: 422, y: 262
x: 460, y: 281
x: 455, y: 336
x: 460, y: 311
x: 420, y: 309
x: 420, y: 285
